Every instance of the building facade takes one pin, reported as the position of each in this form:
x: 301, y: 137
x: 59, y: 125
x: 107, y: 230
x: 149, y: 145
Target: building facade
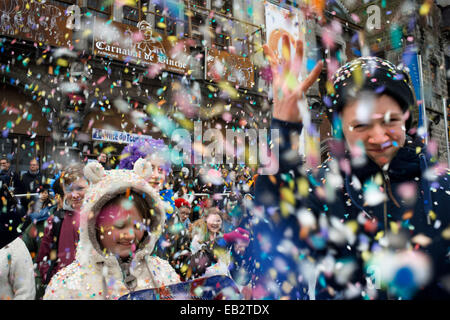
x: 73, y: 68
x: 395, y: 27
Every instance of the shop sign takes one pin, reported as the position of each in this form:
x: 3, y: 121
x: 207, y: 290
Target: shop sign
x: 225, y: 66
x: 117, y: 136
x: 141, y: 45
x: 38, y: 22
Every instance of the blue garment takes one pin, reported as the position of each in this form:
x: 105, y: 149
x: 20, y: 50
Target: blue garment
x: 186, y: 223
x: 42, y: 214
x: 168, y: 196
x: 278, y: 233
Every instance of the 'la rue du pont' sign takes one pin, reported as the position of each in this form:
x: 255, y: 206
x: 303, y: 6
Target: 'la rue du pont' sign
x: 140, y: 45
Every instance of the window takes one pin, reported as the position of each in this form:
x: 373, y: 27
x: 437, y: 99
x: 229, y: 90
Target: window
x: 198, y: 3
x: 23, y: 149
x: 63, y: 3
x: 221, y: 39
x: 196, y: 22
x: 101, y: 8
x: 169, y: 15
x: 132, y: 15
x: 222, y: 6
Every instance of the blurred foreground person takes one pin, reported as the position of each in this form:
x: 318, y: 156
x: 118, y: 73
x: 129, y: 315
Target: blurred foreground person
x: 371, y: 222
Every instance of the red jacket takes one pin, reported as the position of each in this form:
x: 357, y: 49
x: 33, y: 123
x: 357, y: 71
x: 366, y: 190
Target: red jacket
x: 68, y: 240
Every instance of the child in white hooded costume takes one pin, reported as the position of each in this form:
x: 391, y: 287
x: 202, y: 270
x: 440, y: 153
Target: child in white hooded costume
x: 100, y: 273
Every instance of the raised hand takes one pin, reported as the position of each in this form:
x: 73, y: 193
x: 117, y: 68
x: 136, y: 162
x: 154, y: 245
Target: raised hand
x: 287, y: 90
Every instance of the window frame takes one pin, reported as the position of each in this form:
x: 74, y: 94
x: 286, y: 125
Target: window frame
x: 98, y: 12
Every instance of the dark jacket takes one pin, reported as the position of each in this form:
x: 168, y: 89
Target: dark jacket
x: 173, y: 245
x: 10, y: 178
x: 242, y: 267
x: 30, y: 182
x: 11, y: 214
x: 335, y: 198
x: 32, y: 237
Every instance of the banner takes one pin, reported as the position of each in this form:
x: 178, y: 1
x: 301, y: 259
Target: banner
x: 117, y: 136
x: 141, y: 45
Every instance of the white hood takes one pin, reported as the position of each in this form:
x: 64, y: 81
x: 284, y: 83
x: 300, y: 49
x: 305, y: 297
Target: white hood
x: 104, y: 186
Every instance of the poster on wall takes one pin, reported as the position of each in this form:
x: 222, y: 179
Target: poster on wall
x: 280, y: 21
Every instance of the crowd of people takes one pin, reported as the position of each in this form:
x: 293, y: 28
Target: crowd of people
x: 200, y: 232
x: 371, y: 222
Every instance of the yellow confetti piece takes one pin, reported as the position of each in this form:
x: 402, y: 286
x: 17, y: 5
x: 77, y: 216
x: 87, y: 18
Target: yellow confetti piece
x: 353, y: 225
x: 291, y: 184
x: 161, y: 25
x: 446, y: 233
x: 424, y: 9
x: 172, y: 38
x: 366, y: 255
x: 225, y: 86
x: 186, y: 124
x: 131, y: 3
x: 184, y: 268
x: 109, y: 149
x: 418, y: 149
x: 358, y: 76
x: 287, y: 195
x: 62, y: 62
x: 432, y: 215
x: 330, y: 88
x: 394, y: 227
x: 303, y: 187
x: 379, y: 235
x: 379, y: 179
